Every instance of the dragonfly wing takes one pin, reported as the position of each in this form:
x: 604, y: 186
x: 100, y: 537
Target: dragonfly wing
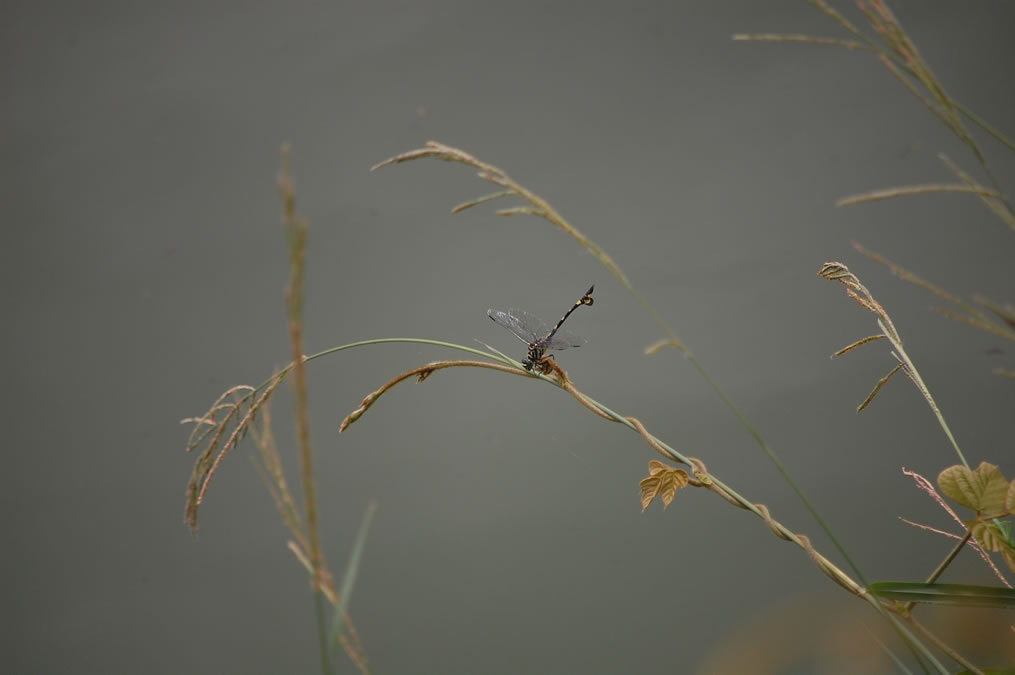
x: 516, y: 325
x: 535, y: 326
x: 563, y: 339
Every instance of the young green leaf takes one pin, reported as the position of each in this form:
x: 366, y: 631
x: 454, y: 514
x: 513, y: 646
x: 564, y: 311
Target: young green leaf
x: 983, y: 490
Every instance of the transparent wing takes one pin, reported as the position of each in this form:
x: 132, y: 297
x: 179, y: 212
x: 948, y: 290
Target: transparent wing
x: 523, y: 325
x: 531, y: 329
x: 563, y: 339
x: 535, y: 326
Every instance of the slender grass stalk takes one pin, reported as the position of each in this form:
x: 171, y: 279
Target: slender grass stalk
x: 836, y: 271
x: 909, y: 190
x: 340, y: 618
x: 296, y: 234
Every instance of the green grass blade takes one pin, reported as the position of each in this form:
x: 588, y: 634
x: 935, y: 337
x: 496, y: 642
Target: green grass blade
x: 349, y: 578
x: 956, y: 595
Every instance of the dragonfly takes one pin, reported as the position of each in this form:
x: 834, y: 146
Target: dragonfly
x: 537, y: 334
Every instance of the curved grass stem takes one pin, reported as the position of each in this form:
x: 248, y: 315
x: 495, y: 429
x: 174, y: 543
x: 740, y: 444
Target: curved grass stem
x: 541, y: 208
x: 702, y: 476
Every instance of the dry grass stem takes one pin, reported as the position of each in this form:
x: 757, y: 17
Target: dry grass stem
x: 986, y: 326
x: 909, y: 277
x: 272, y: 473
x: 887, y: 26
x: 970, y: 314
x: 662, y: 344
x: 859, y: 343
x: 834, y: 14
x: 274, y: 478
x: 793, y: 37
x: 877, y: 387
x: 900, y: 56
x: 701, y: 477
x: 1006, y: 313
x: 999, y: 205
x: 295, y: 228
x: 836, y: 271
x: 889, y: 193
x: 488, y: 172
x: 421, y: 373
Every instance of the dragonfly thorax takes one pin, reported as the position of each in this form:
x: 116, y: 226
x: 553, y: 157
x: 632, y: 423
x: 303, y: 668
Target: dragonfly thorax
x: 535, y: 354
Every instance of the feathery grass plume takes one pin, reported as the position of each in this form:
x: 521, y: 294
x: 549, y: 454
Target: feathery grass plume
x: 997, y: 320
x: 934, y: 96
x: 232, y: 416
x: 536, y: 206
x: 274, y: 479
x: 900, y: 56
x: 837, y: 271
x: 488, y: 172
x: 236, y: 408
